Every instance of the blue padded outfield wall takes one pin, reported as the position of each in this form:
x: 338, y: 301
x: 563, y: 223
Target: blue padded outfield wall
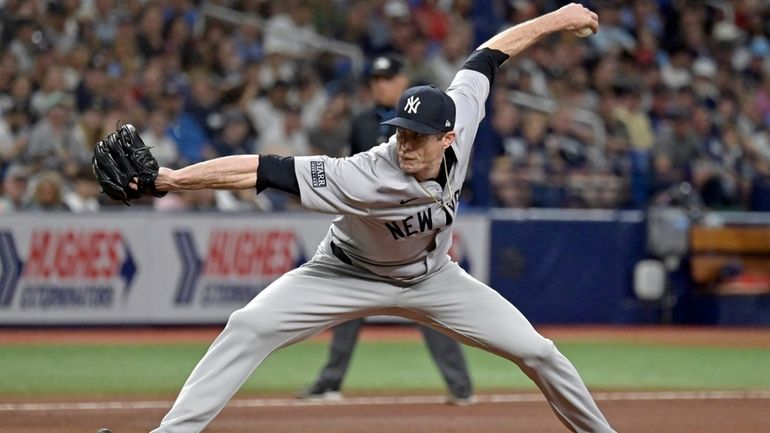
x: 573, y: 267
x: 558, y: 267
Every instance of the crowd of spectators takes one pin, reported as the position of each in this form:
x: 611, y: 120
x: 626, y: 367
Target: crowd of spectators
x: 667, y: 92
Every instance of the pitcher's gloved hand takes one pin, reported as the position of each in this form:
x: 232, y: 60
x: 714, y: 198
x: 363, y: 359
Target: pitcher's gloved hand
x: 122, y: 159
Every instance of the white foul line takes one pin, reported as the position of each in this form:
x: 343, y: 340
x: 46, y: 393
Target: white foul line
x: 390, y: 400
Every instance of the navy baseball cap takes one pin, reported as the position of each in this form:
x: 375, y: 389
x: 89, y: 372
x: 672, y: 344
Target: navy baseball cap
x: 387, y: 66
x: 425, y: 110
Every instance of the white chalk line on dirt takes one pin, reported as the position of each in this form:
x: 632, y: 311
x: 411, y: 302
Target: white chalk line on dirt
x: 389, y: 400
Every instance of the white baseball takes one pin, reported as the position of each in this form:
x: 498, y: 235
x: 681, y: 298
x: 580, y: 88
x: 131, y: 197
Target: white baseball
x: 583, y: 32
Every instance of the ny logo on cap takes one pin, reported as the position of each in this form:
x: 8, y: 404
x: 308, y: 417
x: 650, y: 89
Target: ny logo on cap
x: 411, y: 104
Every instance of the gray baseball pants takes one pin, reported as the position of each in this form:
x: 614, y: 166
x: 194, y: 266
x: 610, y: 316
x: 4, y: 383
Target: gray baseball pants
x: 325, y: 292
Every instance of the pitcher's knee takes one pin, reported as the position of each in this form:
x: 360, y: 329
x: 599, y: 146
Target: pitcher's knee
x: 544, y: 354
x: 251, y: 324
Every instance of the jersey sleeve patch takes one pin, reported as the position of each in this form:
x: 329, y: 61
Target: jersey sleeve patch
x: 318, y: 174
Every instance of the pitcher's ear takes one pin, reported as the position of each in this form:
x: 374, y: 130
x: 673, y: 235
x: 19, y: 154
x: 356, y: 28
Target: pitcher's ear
x: 448, y: 139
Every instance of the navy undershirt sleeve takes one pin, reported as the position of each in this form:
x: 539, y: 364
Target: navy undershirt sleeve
x: 486, y: 61
x: 277, y: 172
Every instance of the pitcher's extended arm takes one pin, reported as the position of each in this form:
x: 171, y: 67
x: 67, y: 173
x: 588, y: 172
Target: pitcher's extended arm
x: 227, y: 172
x: 516, y: 39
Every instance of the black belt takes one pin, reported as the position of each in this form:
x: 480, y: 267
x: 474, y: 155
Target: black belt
x: 338, y: 253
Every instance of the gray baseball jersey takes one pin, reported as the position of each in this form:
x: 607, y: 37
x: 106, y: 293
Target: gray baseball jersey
x: 390, y: 223
x: 395, y: 239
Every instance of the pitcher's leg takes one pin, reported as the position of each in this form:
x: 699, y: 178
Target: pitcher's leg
x: 461, y: 304
x: 450, y: 360
x: 297, y: 305
x: 344, y: 339
x: 233, y: 356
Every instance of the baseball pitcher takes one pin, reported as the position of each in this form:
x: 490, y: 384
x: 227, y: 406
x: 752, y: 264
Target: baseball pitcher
x: 386, y: 252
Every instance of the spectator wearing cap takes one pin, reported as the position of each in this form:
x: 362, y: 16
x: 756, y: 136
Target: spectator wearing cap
x: 93, y: 83
x: 22, y: 46
x: 205, y: 102
x: 61, y: 27
x: 629, y: 110
x: 191, y: 140
x: 236, y: 136
x: 675, y: 149
x: 387, y: 80
x: 14, y: 187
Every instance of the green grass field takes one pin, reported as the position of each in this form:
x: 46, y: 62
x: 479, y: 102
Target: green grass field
x: 42, y: 370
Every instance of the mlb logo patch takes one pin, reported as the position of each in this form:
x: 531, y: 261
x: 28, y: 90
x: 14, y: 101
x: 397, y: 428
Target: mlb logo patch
x: 318, y: 174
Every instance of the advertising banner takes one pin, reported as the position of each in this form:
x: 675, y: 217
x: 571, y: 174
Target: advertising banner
x: 150, y: 268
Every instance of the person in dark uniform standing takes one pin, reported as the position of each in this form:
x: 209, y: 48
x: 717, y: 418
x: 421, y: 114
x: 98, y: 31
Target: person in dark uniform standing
x: 388, y: 80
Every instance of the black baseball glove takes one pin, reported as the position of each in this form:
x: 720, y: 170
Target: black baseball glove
x: 123, y: 158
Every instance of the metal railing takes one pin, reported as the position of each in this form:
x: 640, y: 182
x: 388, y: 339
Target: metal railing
x: 548, y: 105
x: 318, y: 42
